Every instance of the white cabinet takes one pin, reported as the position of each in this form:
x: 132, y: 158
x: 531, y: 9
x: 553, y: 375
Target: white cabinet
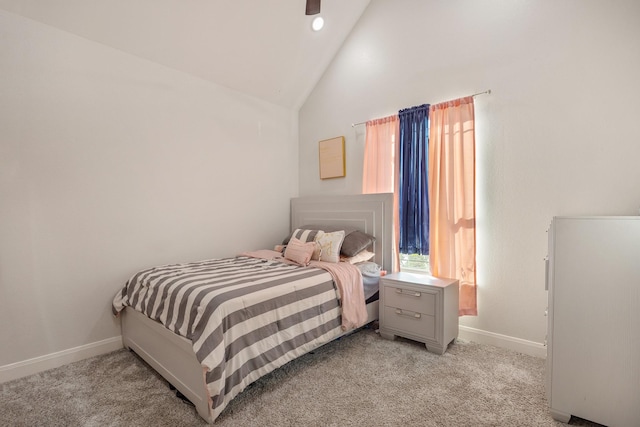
x: 419, y: 307
x: 593, y: 355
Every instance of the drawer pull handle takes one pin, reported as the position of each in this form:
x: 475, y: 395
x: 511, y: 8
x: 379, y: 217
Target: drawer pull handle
x: 402, y: 313
x: 401, y: 292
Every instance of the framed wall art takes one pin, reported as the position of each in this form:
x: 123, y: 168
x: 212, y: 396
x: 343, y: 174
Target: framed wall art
x: 332, y: 161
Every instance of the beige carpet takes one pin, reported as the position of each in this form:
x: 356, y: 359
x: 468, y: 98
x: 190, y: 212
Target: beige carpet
x: 359, y: 380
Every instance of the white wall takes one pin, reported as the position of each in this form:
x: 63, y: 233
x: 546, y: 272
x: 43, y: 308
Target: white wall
x: 109, y: 164
x: 557, y: 136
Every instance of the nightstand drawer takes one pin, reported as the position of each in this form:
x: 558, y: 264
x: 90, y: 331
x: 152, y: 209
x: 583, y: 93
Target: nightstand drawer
x: 408, y: 299
x: 422, y: 325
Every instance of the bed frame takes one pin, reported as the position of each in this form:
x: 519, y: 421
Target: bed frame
x: 172, y: 356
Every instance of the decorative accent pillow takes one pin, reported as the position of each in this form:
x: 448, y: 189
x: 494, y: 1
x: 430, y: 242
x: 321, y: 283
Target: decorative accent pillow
x: 330, y: 244
x: 299, y: 252
x: 356, y: 242
x: 362, y: 256
x: 307, y: 235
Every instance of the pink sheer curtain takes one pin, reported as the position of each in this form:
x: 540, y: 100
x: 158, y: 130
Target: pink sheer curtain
x: 380, y: 170
x: 452, y: 231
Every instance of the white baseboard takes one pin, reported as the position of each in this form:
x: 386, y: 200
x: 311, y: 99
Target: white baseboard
x: 54, y: 360
x: 504, y: 341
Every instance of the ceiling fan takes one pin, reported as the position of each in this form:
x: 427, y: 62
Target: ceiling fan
x: 313, y: 7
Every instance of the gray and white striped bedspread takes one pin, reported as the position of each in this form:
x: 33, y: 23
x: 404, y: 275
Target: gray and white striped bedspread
x: 245, y: 316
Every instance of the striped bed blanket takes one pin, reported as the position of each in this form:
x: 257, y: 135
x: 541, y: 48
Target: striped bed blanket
x: 245, y: 316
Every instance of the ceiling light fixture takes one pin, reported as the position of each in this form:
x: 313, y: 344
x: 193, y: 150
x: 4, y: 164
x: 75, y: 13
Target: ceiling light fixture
x: 312, y: 7
x: 317, y: 23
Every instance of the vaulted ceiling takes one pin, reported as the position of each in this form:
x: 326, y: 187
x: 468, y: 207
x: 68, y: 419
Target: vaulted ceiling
x: 263, y: 48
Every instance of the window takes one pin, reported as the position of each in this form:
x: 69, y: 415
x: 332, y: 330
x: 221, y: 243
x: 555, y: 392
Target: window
x: 415, y: 263
x: 448, y: 161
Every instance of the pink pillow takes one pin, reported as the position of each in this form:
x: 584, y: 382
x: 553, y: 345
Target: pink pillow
x: 299, y: 252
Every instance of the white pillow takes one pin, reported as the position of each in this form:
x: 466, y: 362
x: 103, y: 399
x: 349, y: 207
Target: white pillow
x: 364, y: 255
x: 330, y: 244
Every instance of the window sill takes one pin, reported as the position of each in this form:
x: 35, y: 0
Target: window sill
x: 416, y: 271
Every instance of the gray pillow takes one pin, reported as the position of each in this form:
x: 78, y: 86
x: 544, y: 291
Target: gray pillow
x: 355, y: 242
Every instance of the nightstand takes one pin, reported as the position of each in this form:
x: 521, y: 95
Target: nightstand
x: 419, y: 307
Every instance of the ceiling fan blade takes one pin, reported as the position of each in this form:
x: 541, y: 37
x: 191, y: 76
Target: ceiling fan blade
x: 313, y: 7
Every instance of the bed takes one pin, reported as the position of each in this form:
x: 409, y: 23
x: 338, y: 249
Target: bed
x: 204, y: 353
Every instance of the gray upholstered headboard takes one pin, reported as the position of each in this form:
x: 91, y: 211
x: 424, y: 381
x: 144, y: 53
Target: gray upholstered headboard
x: 370, y: 213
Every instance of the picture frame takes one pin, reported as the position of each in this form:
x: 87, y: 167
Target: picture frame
x: 332, y: 158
